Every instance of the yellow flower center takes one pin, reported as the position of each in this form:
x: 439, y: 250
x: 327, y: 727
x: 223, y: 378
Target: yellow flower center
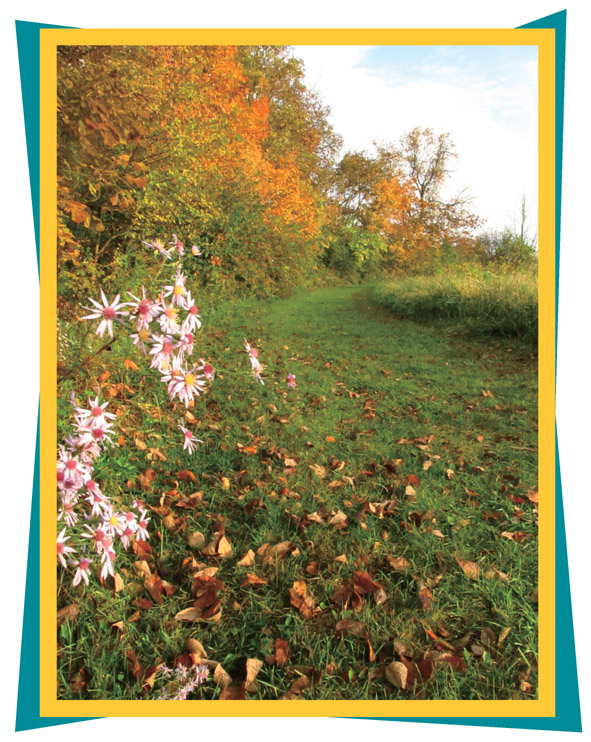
x: 164, y: 365
x: 179, y: 290
x: 189, y: 379
x: 143, y: 334
x: 170, y: 312
x: 113, y: 520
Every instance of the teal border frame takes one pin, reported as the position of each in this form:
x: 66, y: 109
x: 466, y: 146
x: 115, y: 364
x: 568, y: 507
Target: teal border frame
x: 568, y: 711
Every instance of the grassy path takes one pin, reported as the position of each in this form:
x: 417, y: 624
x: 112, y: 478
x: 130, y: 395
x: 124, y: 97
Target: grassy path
x: 393, y: 489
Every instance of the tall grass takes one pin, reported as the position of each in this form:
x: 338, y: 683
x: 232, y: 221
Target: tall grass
x: 485, y: 304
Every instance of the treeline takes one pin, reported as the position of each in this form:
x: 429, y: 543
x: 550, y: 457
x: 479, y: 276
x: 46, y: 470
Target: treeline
x: 227, y: 148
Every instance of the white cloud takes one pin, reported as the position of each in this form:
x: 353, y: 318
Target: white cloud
x: 492, y: 122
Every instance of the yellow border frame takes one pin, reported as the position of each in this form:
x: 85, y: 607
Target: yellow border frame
x: 544, y: 705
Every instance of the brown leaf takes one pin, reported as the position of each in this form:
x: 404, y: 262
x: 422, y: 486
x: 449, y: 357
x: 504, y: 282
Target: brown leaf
x: 252, y: 670
x: 186, y: 476
x: 252, y: 579
x: 425, y: 596
x: 67, y: 613
x: 247, y: 560
x: 196, y: 650
x: 298, y: 687
x: 397, y: 674
x: 449, y: 473
x: 134, y: 667
x: 234, y: 693
x: 129, y: 364
x: 471, y: 569
x: 282, y: 653
x: 300, y: 599
x: 351, y: 628
x: 398, y: 564
x: 427, y: 465
x: 221, y: 677
x: 338, y: 520
x: 248, y: 450
x: 320, y: 471
x: 276, y: 552
x: 312, y: 568
x: 196, y: 540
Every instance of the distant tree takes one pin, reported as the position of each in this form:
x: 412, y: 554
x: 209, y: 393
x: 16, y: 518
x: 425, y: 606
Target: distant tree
x: 506, y: 247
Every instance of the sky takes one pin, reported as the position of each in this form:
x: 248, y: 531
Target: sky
x: 485, y: 97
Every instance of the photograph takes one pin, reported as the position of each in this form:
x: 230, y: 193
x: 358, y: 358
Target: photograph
x: 296, y: 408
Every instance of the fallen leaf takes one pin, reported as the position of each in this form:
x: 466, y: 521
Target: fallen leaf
x: 247, y: 560
x: 196, y: 649
x: 427, y: 465
x: 186, y: 476
x: 252, y: 579
x: 449, y: 473
x: 129, y: 364
x: 353, y: 628
x: 410, y: 492
x: 252, y: 670
x: 282, y: 653
x: 67, y: 613
x: 471, y: 569
x: 221, y: 677
x: 196, y: 540
x: 397, y: 674
x: 295, y: 692
x: 398, y: 564
x: 300, y: 599
x: 320, y: 471
x: 425, y: 596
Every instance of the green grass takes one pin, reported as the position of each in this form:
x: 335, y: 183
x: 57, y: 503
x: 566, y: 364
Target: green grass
x: 486, y: 304
x: 384, y: 389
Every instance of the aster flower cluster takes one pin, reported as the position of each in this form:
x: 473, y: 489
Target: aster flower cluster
x: 182, y: 681
x: 164, y: 329
x: 84, y: 509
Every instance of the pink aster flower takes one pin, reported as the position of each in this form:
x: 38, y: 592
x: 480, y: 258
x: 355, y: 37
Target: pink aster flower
x: 82, y: 571
x: 142, y: 527
x: 99, y: 537
x: 67, y: 513
x: 253, y: 355
x: 62, y: 549
x: 291, y: 382
x: 108, y: 559
x: 98, y: 433
x: 190, y: 440
x: 140, y: 338
x: 178, y: 245
x: 162, y: 349
x: 107, y: 313
x: 196, y: 251
x: 191, y: 385
x: 177, y: 290
x: 145, y: 308
x: 168, y: 320
x: 158, y: 246
x: 192, y: 321
x: 207, y: 370
x: 113, y: 522
x: 95, y: 414
x: 185, y: 344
